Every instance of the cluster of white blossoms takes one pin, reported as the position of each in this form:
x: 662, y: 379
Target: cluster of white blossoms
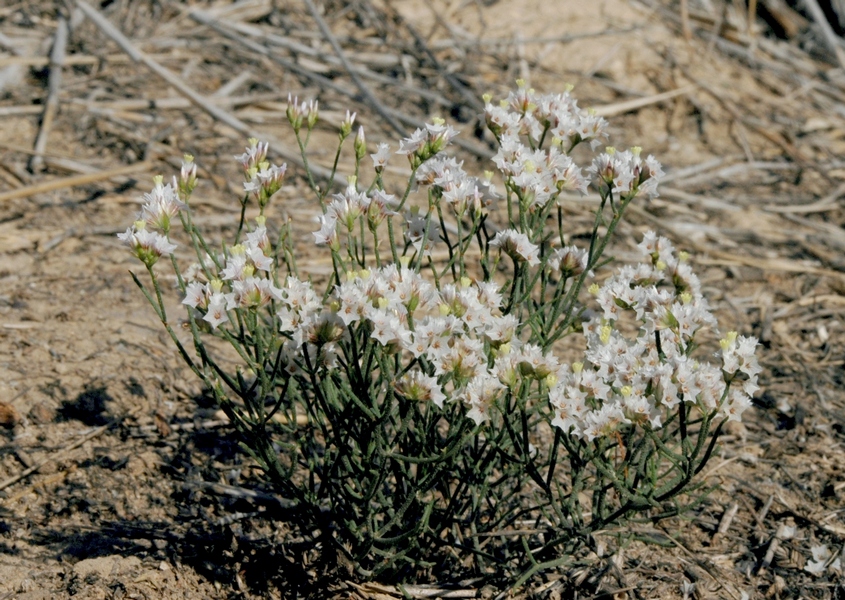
x: 261, y: 178
x: 539, y: 175
x: 517, y: 246
x: 557, y: 116
x: 427, y: 141
x: 463, y: 348
x: 246, y: 287
x: 453, y: 331
x: 452, y: 185
x: 159, y: 208
x: 640, y: 380
x: 454, y: 338
x: 626, y: 173
x: 345, y: 209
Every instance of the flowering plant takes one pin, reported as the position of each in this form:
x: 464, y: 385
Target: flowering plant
x: 413, y: 408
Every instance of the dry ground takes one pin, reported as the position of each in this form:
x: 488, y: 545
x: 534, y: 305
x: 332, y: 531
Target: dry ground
x: 130, y: 501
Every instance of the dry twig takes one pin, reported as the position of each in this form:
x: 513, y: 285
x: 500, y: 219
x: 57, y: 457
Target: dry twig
x: 51, y: 106
x: 368, y: 95
x: 76, y: 180
x: 828, y: 34
x: 198, y: 100
x: 61, y: 453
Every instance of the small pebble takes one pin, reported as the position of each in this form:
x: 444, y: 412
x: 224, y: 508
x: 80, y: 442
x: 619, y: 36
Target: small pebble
x: 42, y: 413
x: 9, y: 417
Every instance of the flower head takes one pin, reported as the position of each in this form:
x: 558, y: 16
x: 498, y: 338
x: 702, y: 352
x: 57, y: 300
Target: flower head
x: 162, y: 204
x: 381, y: 156
x: 148, y: 246
x: 517, y: 246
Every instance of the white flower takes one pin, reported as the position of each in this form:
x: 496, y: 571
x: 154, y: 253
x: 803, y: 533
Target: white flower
x: 236, y: 265
x: 162, y: 204
x: 381, y: 156
x: 216, y: 312
x: 148, y: 246
x: 412, y: 144
x: 517, y: 246
x: 327, y: 235
x: 252, y: 292
x: 416, y: 385
x: 347, y: 207
x: 258, y: 259
x: 569, y: 260
x: 255, y: 154
x: 422, y: 232
x: 196, y: 294
x: 480, y: 394
x: 625, y: 173
x: 604, y: 421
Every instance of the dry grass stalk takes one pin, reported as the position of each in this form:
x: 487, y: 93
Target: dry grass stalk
x: 54, y: 86
x: 77, y: 180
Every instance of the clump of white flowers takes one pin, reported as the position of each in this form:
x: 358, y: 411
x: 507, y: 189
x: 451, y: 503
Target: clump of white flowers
x: 641, y: 380
x: 438, y: 410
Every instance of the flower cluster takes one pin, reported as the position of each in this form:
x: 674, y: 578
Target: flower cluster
x: 626, y: 174
x: 147, y: 245
x: 538, y: 175
x: 453, y: 330
x: 261, y: 178
x: 517, y: 246
x: 641, y: 380
x: 247, y: 289
x: 302, y: 113
x: 160, y: 206
x: 426, y: 142
x: 345, y: 209
x: 526, y: 113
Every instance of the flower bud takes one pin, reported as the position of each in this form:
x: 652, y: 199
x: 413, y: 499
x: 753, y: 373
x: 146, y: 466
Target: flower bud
x: 294, y: 113
x: 187, y: 176
x: 360, y: 144
x: 311, y: 114
x: 729, y: 340
x: 346, y: 125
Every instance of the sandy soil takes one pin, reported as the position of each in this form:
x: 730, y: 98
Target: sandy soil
x: 130, y: 500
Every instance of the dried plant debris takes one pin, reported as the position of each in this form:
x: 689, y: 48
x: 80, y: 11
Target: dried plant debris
x: 745, y: 114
